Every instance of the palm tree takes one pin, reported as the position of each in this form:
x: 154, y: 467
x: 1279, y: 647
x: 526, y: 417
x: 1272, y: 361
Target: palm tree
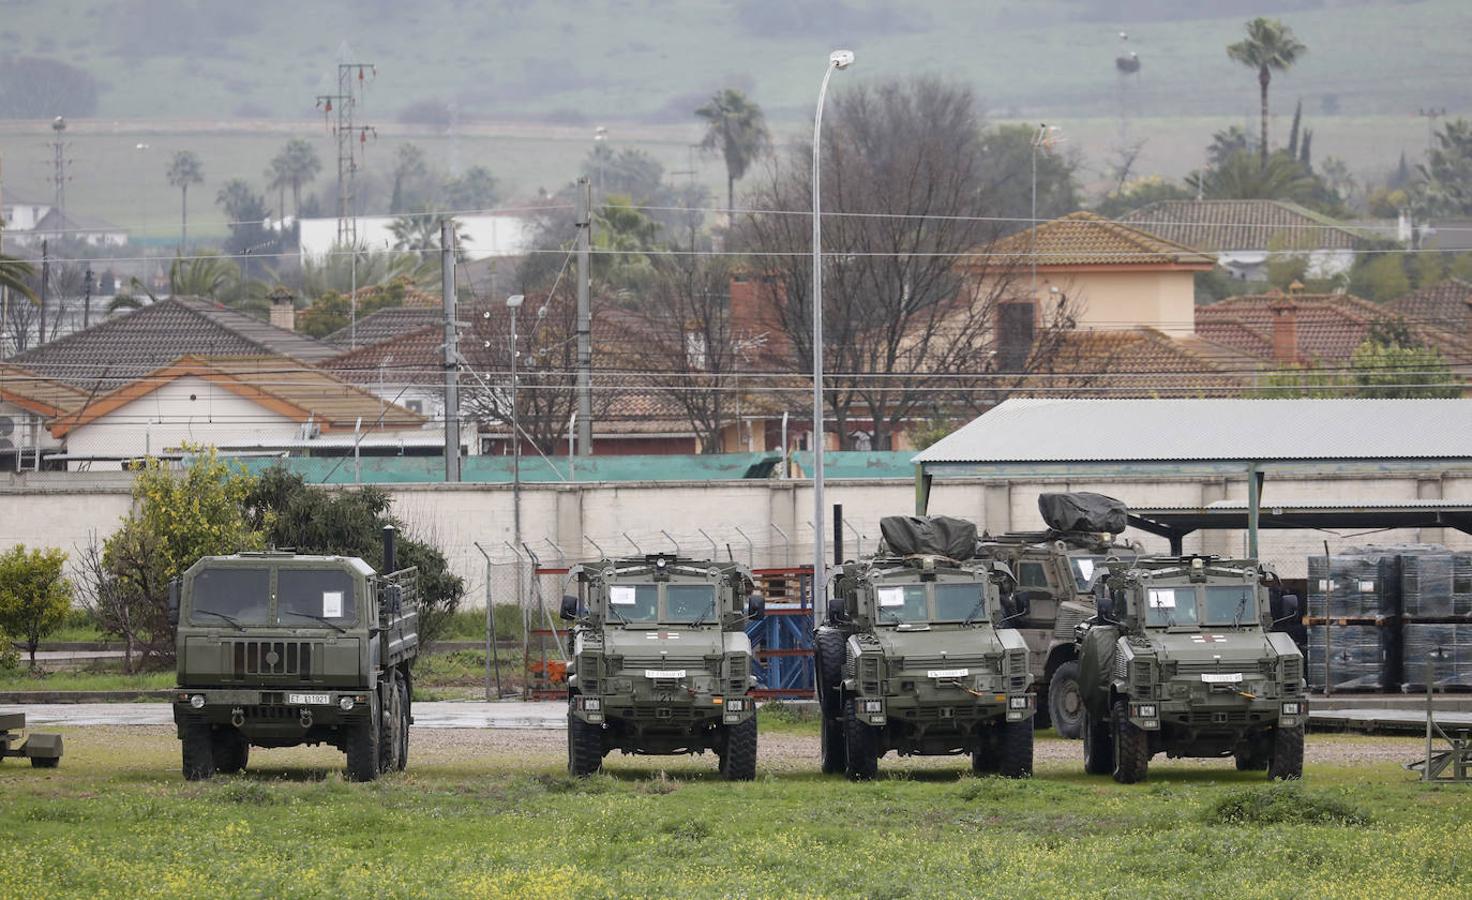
x: 738, y: 129
x: 184, y: 169
x: 420, y: 234
x: 295, y: 165
x: 1269, y: 45
x: 14, y: 275
x: 1240, y: 177
x: 209, y: 275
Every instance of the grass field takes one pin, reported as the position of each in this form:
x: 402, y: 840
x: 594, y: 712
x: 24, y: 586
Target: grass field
x: 475, y: 817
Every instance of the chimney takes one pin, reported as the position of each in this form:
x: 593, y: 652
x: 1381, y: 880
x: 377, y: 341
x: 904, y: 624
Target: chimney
x: 283, y: 308
x: 1285, y: 330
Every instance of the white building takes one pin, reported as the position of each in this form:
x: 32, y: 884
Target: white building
x: 482, y: 237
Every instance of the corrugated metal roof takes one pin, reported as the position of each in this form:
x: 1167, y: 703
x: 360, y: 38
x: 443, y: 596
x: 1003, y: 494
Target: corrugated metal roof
x: 1061, y: 431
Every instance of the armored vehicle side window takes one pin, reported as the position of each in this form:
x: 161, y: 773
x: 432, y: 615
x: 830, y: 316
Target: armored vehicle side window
x: 690, y: 603
x: 634, y: 602
x: 1230, y: 604
x: 902, y: 603
x: 303, y: 595
x: 1170, y: 606
x: 1032, y: 574
x: 220, y: 594
x: 959, y: 601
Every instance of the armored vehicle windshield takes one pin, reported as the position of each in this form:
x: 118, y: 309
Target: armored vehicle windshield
x: 1190, y: 606
x: 649, y: 603
x: 935, y: 602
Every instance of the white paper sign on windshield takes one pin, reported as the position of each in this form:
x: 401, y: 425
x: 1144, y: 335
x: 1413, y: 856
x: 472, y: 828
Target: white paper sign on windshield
x: 331, y: 604
x: 621, y: 595
x: 1086, y: 568
x: 1162, y: 599
x: 891, y: 596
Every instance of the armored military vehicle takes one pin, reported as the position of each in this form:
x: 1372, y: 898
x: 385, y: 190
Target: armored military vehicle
x: 918, y: 656
x: 1179, y: 660
x: 280, y: 649
x: 1054, y: 570
x: 43, y: 750
x: 660, y: 663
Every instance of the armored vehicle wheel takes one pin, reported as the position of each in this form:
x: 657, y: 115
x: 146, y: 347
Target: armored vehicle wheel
x: 199, y: 754
x: 1131, y: 747
x: 403, y: 759
x: 584, y: 747
x: 1098, y: 745
x: 1253, y: 756
x: 362, y: 742
x: 1065, y: 702
x: 1287, y: 761
x: 834, y: 744
x: 862, y: 745
x: 1014, y: 749
x: 738, y: 762
x: 231, y: 751
x: 45, y: 762
x: 829, y: 647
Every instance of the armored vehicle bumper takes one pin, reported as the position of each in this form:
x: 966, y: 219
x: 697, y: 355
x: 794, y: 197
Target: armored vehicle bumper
x: 662, y: 716
x: 1215, y: 723
x: 279, y: 714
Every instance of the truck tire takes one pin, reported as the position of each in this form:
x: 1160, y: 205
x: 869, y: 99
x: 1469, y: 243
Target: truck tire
x: 362, y: 740
x: 1131, y: 747
x: 862, y: 748
x: 231, y: 751
x: 584, y: 747
x: 198, y: 751
x: 403, y: 761
x: 1287, y: 761
x: 738, y: 763
x: 1014, y: 749
x: 1098, y: 745
x: 388, y: 725
x: 1065, y: 701
x: 830, y: 650
x: 834, y: 744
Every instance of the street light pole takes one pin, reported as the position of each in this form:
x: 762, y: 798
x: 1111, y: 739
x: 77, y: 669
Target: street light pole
x: 514, y: 304
x: 838, y: 59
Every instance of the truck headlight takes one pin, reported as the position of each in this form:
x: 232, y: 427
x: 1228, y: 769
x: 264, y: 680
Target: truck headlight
x: 736, y: 705
x: 1146, y: 710
x: 197, y: 701
x: 872, y: 706
x: 1017, y: 702
x: 1291, y: 708
x: 593, y: 704
x: 345, y: 704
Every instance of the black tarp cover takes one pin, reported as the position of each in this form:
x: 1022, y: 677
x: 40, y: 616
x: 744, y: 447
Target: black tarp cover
x: 929, y: 535
x: 1083, y: 511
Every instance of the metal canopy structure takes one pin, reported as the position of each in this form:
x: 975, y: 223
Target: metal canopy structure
x: 1102, y: 439
x: 1175, y: 522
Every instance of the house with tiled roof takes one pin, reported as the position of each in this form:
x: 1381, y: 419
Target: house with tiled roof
x: 1446, y: 305
x: 1139, y: 362
x: 248, y: 403
x: 126, y: 347
x: 385, y: 324
x: 27, y: 402
x: 1244, y: 233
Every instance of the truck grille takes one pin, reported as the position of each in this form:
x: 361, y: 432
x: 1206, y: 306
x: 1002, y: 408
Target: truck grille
x: 273, y: 658
x: 1292, y: 671
x: 736, y: 672
x: 1199, y: 666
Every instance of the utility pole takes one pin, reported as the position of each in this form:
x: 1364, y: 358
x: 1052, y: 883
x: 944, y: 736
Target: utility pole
x: 351, y: 137
x: 585, y: 321
x: 59, y: 162
x: 45, y: 277
x: 87, y: 298
x: 452, y: 352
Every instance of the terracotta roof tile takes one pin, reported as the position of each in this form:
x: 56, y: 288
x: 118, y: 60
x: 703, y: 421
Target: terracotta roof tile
x: 1224, y: 225
x: 1446, y: 305
x: 37, y: 394
x: 1086, y: 239
x: 385, y: 324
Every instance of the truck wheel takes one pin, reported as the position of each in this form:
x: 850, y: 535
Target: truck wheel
x: 1131, y: 747
x: 1065, y: 702
x: 584, y: 747
x: 403, y: 760
x: 862, y: 745
x: 231, y: 751
x: 828, y: 646
x: 1287, y: 761
x: 738, y: 763
x: 388, y: 727
x: 1098, y: 745
x: 834, y: 744
x: 199, y: 754
x: 362, y: 743
x: 1014, y: 749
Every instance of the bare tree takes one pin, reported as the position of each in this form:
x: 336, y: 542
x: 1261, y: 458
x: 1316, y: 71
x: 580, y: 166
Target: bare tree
x: 911, y: 297
x: 126, y: 591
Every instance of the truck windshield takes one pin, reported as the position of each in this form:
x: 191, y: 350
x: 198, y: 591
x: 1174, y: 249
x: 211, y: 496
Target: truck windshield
x: 1167, y: 606
x: 902, y: 603
x: 690, y: 603
x: 1084, y: 568
x: 220, y: 595
x: 634, y: 602
x: 959, y: 601
x: 1230, y: 604
x: 307, y: 597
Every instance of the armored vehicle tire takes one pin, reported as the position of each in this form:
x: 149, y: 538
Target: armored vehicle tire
x: 362, y: 743
x: 1098, y: 746
x: 584, y: 747
x: 1287, y: 762
x: 738, y: 762
x: 1131, y: 747
x: 403, y: 760
x: 829, y: 646
x: 198, y: 751
x: 1066, y: 702
x: 1014, y: 749
x: 834, y: 744
x: 231, y: 751
x: 862, y: 748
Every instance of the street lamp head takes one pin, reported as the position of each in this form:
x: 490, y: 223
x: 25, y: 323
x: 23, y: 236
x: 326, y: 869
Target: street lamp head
x: 841, y: 59
x: 515, y: 301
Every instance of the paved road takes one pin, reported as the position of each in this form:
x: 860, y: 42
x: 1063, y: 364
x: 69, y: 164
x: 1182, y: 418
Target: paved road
x: 463, y: 714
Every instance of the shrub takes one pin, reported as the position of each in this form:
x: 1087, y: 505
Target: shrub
x: 1280, y: 804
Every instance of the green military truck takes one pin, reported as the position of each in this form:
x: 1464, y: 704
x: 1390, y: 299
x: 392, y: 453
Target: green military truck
x: 660, y: 662
x: 280, y: 650
x: 917, y: 655
x: 1179, y: 660
x: 43, y: 750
